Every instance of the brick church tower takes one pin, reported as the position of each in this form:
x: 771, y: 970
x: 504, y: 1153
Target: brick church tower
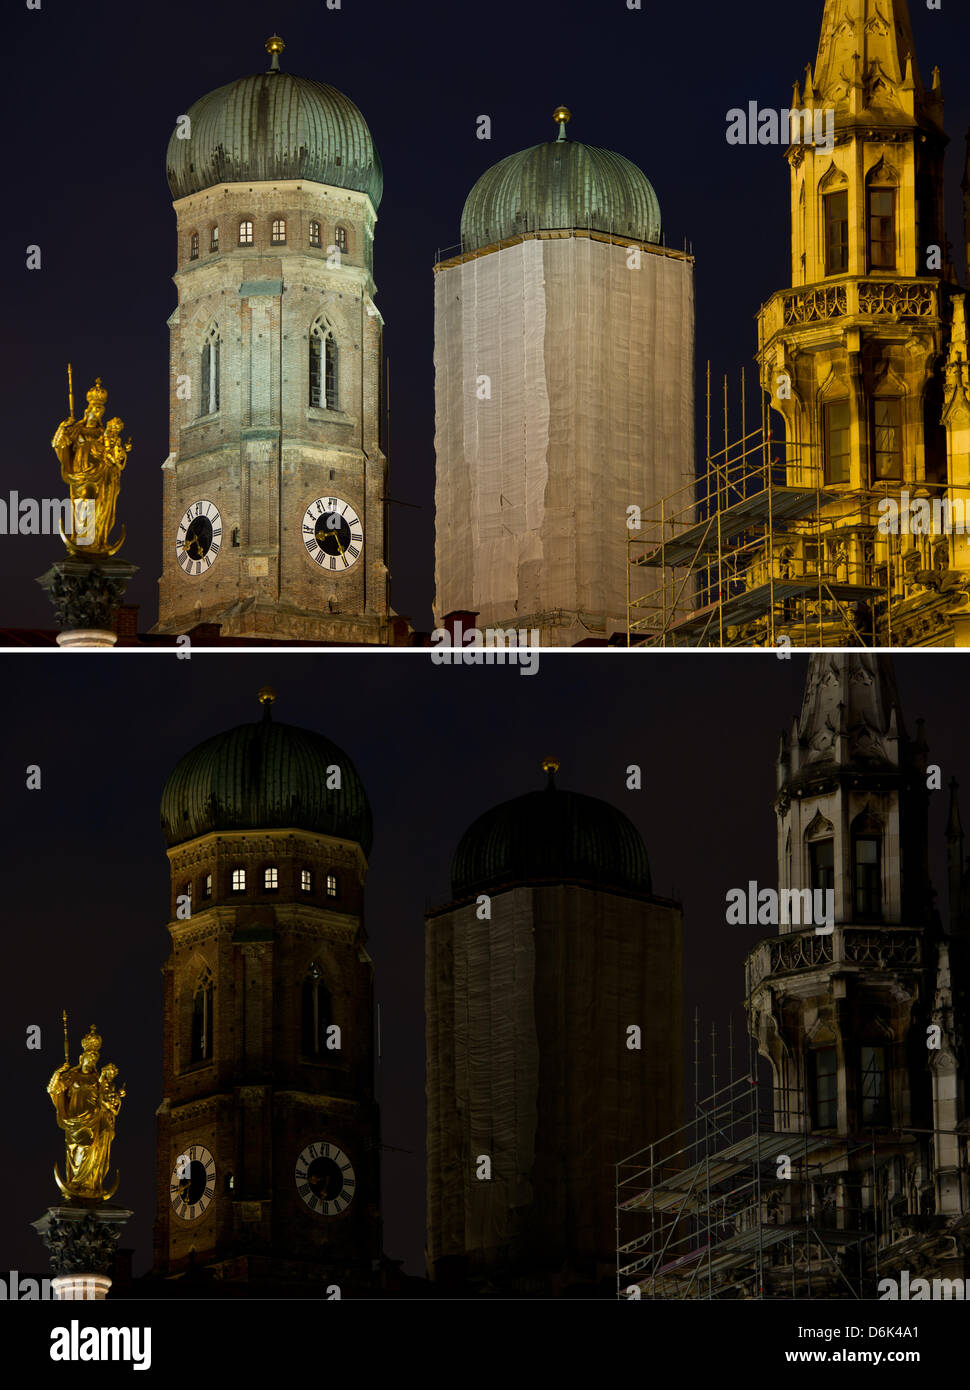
x: 275, y: 484
x: 268, y: 1128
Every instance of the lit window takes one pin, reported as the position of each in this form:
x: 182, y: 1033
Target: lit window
x: 882, y: 229
x: 868, y: 877
x: 317, y: 1012
x: 279, y: 230
x: 825, y: 1088
x: 836, y: 233
x: 837, y: 442
x: 306, y: 880
x: 207, y: 886
x: 332, y: 886
x: 245, y: 234
x: 194, y: 247
x: 271, y: 878
x: 875, y: 1092
x: 214, y: 239
x: 239, y: 880
x: 201, y: 1044
x: 340, y: 239
x: 887, y: 438
x: 314, y: 233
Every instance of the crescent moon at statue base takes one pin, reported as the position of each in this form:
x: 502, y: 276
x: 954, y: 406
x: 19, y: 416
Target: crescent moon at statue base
x: 104, y: 1196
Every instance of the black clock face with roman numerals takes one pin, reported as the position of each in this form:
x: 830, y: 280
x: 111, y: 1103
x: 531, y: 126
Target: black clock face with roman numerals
x: 198, y: 539
x: 325, y: 1179
x: 193, y: 1182
x: 333, y: 534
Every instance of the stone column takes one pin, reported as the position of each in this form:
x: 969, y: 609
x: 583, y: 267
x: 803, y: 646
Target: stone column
x: 82, y: 1239
x: 86, y: 595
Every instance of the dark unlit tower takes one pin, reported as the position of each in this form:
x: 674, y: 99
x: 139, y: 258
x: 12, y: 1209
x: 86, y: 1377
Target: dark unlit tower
x: 554, y: 945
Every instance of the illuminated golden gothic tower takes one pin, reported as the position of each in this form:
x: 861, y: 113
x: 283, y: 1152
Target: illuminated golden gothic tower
x: 274, y: 489
x: 268, y: 1128
x: 864, y: 356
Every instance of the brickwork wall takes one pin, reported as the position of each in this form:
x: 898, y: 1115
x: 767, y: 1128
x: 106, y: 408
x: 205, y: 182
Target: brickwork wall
x: 266, y: 455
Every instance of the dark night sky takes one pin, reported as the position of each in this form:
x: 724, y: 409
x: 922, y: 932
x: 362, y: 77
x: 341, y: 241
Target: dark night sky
x: 92, y: 93
x: 86, y: 876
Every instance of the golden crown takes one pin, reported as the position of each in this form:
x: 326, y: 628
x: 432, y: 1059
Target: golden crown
x: 97, y: 395
x: 91, y: 1042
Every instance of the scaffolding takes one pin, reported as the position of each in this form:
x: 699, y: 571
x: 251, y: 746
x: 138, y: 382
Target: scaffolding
x: 741, y: 557
x: 732, y: 1207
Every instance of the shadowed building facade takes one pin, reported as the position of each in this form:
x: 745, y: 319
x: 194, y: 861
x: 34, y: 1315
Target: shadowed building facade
x: 268, y: 1128
x: 552, y: 952
x: 865, y: 1027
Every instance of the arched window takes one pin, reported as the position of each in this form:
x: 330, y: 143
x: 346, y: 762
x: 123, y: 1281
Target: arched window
x: 209, y: 373
x: 279, y: 230
x: 333, y: 888
x: 867, y: 867
x: 214, y: 239
x: 246, y: 233
x: 834, y: 191
x: 239, y: 880
x: 317, y: 1012
x: 202, y: 1018
x: 881, y: 216
x: 306, y: 880
x: 314, y: 233
x: 194, y: 247
x: 271, y: 879
x: 323, y: 365
x: 340, y: 239
x: 207, y: 886
x: 886, y: 442
x: 874, y: 1088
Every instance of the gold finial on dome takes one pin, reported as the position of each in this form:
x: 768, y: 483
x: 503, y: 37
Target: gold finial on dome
x: 550, y: 766
x: 563, y: 115
x: 275, y: 46
x: 267, y: 697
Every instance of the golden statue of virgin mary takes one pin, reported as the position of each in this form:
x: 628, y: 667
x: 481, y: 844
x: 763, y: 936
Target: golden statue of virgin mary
x: 87, y: 1104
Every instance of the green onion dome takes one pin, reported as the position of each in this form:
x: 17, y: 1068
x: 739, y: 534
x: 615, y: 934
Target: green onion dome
x: 274, y: 125
x: 560, y: 185
x: 265, y: 776
x: 550, y: 836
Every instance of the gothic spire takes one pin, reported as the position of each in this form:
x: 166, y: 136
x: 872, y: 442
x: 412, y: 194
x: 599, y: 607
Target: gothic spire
x: 850, y: 716
x: 878, y: 31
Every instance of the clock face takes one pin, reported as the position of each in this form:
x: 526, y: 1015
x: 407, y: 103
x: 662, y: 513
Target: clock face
x: 333, y: 533
x: 198, y: 538
x: 325, y: 1179
x: 193, y: 1182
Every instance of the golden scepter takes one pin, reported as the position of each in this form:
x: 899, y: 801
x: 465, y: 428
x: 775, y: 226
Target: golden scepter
x: 67, y: 1055
x: 70, y: 408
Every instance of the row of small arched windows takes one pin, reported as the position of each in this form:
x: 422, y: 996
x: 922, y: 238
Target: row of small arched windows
x: 245, y: 236
x: 316, y: 1008
x: 270, y: 882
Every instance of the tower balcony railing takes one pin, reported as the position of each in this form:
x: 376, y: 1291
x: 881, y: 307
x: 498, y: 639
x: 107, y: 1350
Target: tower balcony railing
x: 869, y: 946
x: 842, y: 298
